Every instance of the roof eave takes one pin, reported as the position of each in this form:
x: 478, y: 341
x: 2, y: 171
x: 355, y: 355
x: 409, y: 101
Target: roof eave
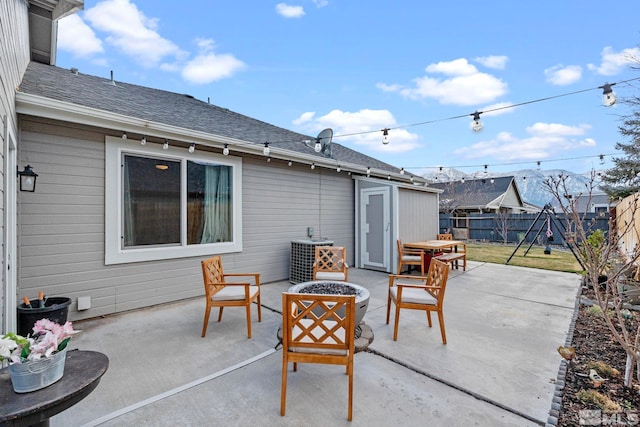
x: 39, y: 106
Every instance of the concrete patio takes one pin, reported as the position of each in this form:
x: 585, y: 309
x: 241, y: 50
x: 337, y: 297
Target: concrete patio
x: 499, y: 367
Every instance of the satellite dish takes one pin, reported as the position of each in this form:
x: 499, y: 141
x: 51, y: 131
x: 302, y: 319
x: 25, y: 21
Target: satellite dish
x: 324, y: 138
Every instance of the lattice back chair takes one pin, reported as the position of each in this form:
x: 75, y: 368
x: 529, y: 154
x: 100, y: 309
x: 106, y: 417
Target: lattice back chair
x: 331, y: 263
x: 222, y: 293
x: 317, y: 329
x: 445, y: 236
x: 419, y: 293
x: 408, y: 256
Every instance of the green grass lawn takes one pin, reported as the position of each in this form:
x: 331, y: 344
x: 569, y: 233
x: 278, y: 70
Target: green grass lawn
x: 558, y: 259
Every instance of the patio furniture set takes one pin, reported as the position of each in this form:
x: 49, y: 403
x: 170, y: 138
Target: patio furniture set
x: 320, y: 318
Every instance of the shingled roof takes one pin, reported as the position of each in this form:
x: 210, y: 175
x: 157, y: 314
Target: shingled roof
x: 172, y: 109
x: 476, y: 193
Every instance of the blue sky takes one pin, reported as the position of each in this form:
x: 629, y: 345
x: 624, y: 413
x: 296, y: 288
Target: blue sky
x: 420, y: 68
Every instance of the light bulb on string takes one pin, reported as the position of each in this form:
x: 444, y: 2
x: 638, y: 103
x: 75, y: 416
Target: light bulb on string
x: 368, y: 171
x: 225, y: 150
x: 602, y: 159
x: 318, y: 146
x: 143, y: 141
x: 192, y: 148
x: 401, y: 171
x: 313, y: 165
x: 124, y: 135
x: 476, y: 124
x: 165, y: 146
x: 338, y: 169
x: 608, y: 95
x: 385, y: 136
x: 266, y: 150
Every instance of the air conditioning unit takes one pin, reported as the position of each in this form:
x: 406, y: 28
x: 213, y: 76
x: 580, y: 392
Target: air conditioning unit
x: 303, y: 254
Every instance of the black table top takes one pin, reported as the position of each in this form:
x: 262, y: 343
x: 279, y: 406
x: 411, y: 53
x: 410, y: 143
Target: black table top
x: 82, y: 373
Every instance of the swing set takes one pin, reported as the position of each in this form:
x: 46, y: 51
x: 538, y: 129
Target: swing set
x: 548, y: 211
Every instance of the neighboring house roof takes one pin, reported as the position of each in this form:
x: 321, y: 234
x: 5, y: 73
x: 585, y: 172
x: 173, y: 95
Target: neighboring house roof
x: 477, y: 194
x: 588, y: 202
x: 145, y: 110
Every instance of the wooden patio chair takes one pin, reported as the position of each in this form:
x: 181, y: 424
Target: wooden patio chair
x: 419, y: 293
x: 407, y: 256
x: 221, y: 293
x: 445, y: 236
x: 317, y: 329
x: 330, y: 263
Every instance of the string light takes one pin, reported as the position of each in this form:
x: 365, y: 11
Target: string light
x: 143, y: 141
x: 368, y: 171
x: 165, y: 146
x: 313, y: 165
x: 192, y: 148
x: 290, y: 163
x: 338, y: 169
x: 385, y: 136
x: 493, y: 109
x: 401, y: 171
x: 266, y: 150
x: 225, y: 150
x: 602, y: 159
x: 124, y: 135
x: 476, y: 124
x: 318, y: 146
x: 608, y: 96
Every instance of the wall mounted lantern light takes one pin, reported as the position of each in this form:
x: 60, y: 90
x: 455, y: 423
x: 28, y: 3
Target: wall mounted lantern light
x: 28, y: 179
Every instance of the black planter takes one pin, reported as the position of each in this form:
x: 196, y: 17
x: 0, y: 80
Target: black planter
x: 55, y: 309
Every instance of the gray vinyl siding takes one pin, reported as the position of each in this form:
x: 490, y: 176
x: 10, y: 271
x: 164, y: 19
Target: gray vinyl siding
x: 61, y: 247
x: 418, y: 215
x: 14, y: 54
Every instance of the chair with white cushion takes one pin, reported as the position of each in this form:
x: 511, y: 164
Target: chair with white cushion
x: 419, y: 293
x: 407, y: 256
x: 222, y: 293
x: 317, y: 329
x: 331, y: 263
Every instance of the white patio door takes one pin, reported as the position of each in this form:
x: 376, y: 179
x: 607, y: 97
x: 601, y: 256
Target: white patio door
x: 375, y: 228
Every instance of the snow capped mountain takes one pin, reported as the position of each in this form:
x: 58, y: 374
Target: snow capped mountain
x: 529, y: 181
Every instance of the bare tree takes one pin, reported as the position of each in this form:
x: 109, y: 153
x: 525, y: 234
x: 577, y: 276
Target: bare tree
x: 607, y: 265
x: 503, y: 224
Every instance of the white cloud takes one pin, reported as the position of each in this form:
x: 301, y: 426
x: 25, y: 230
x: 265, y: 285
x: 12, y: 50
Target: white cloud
x: 344, y: 122
x: 614, y: 62
x: 289, y: 11
x: 208, y: 66
x: 132, y: 32
x: 463, y: 85
x: 499, y: 62
x: 78, y: 38
x: 561, y: 76
x: 304, y: 118
x: 320, y: 3
x: 544, y: 141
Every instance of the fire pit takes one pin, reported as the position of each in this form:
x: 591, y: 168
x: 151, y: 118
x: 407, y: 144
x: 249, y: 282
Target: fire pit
x: 327, y: 287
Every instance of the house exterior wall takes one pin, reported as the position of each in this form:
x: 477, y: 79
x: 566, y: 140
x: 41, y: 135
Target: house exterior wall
x: 417, y: 215
x: 14, y: 54
x: 61, y: 249
x: 511, y: 200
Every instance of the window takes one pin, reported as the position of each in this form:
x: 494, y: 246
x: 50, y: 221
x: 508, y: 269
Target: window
x: 170, y: 204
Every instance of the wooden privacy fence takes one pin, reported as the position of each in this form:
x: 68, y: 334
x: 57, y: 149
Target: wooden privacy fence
x: 489, y: 227
x: 627, y: 213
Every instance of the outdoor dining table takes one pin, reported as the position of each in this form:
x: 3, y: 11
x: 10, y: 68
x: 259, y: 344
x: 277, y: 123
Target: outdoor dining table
x: 433, y: 246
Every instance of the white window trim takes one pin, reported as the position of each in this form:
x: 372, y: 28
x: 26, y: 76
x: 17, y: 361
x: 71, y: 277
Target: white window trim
x: 114, y: 254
